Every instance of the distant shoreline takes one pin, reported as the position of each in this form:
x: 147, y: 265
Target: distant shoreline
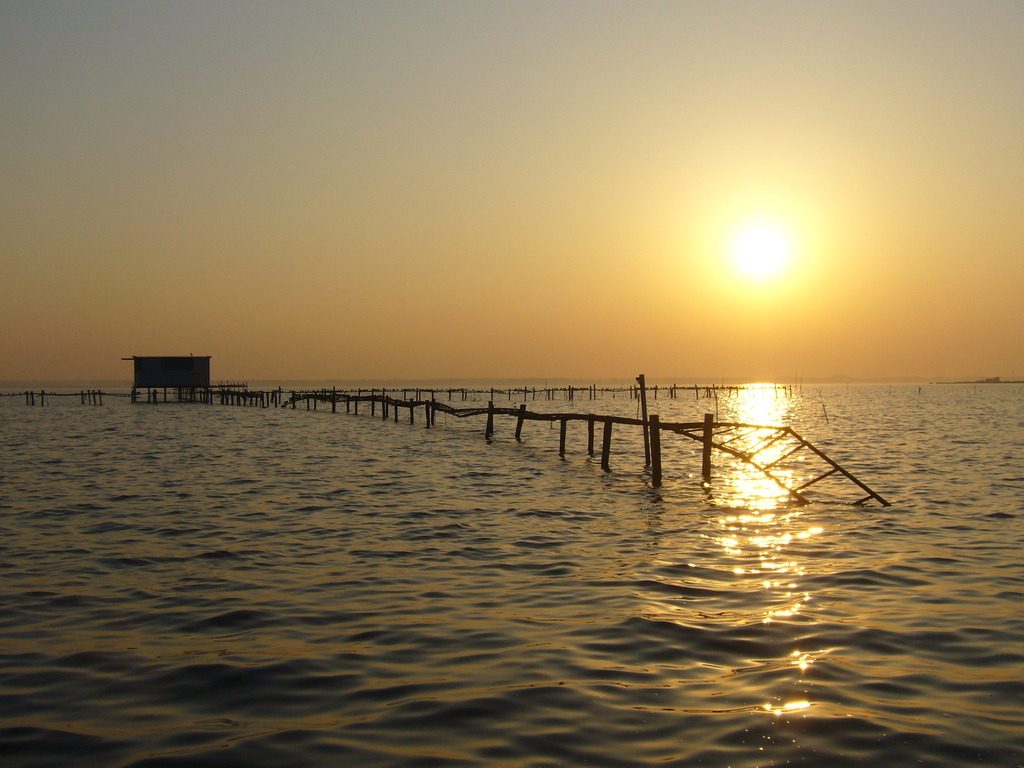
x: 988, y: 381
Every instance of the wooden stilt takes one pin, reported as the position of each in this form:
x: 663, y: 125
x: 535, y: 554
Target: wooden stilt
x: 655, y: 451
x: 709, y: 428
x: 641, y: 380
x: 606, y: 445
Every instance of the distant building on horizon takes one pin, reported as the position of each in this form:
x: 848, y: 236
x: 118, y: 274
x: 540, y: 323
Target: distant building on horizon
x: 159, y: 372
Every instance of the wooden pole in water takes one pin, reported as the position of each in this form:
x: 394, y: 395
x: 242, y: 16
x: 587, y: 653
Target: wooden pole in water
x: 709, y: 427
x: 606, y: 445
x: 561, y: 438
x: 519, y: 422
x: 655, y: 451
x: 489, y: 430
x: 642, y: 381
x: 590, y: 436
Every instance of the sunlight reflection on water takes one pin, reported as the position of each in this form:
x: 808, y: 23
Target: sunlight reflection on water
x: 352, y: 591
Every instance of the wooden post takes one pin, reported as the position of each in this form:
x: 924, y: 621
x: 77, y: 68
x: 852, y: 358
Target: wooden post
x: 606, y: 445
x: 709, y: 426
x: 334, y: 399
x: 641, y: 380
x: 655, y: 451
x: 561, y: 438
x: 590, y: 436
x: 490, y: 420
x: 519, y: 422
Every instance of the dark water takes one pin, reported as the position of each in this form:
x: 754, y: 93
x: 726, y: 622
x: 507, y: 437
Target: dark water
x: 189, y: 585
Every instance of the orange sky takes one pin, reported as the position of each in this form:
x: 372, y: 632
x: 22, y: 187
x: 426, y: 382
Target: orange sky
x: 477, y: 189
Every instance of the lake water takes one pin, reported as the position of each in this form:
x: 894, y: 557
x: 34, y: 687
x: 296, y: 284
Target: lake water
x: 202, y: 585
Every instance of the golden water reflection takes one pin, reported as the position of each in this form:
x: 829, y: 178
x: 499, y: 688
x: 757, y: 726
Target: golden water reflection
x: 759, y: 536
x: 740, y: 484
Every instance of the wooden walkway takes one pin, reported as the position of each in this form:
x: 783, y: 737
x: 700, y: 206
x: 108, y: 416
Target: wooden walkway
x: 770, y: 450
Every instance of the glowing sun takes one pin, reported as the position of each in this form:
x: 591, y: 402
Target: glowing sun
x: 760, y: 251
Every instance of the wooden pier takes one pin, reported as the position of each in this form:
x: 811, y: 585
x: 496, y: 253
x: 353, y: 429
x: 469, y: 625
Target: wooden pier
x: 767, y: 449
x: 762, y: 447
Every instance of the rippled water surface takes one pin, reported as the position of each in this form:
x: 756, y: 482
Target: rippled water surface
x: 201, y: 585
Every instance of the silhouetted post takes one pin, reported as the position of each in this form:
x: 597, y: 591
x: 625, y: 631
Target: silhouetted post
x: 334, y: 399
x: 590, y: 437
x: 641, y: 380
x: 606, y: 445
x: 655, y: 451
x: 709, y: 426
x: 561, y: 438
x: 519, y: 422
x: 490, y: 420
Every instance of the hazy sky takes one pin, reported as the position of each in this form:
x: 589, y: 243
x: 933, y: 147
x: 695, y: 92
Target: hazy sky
x: 518, y: 189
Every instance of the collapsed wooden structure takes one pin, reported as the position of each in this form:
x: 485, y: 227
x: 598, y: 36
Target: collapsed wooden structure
x: 771, y: 451
x: 767, y: 449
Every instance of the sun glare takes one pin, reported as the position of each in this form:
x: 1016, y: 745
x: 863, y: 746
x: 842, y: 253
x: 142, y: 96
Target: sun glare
x: 760, y: 251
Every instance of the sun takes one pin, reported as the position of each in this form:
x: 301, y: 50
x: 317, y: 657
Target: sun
x: 761, y: 251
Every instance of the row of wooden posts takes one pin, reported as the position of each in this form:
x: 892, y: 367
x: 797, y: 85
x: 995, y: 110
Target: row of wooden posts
x: 711, y: 434
x: 238, y: 394
x: 390, y: 408
x: 86, y: 396
x: 708, y: 432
